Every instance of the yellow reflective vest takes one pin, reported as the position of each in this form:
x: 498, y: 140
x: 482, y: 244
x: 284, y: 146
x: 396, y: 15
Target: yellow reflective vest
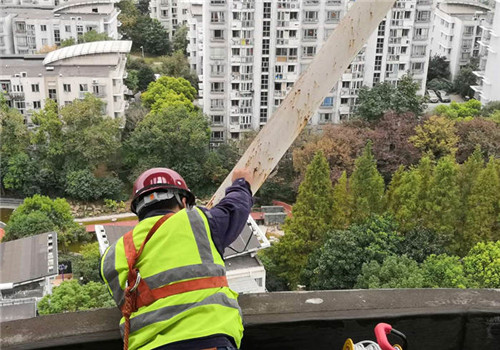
x: 181, y: 250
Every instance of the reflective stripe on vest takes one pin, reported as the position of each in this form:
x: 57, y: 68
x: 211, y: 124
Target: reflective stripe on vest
x: 110, y: 275
x: 168, y: 312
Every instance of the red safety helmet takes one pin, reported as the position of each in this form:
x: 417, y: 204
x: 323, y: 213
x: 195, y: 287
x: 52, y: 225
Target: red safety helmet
x: 159, y: 180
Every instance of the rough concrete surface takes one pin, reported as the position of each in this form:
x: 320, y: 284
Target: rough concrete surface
x: 439, y: 318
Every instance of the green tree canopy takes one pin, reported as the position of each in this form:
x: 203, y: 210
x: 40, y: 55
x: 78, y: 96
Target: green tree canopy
x: 483, y: 132
x: 91, y: 36
x: 464, y: 80
x: 337, y: 263
x: 455, y: 110
x: 439, y: 68
x: 482, y: 265
x: 71, y: 296
x: 443, y: 271
x: 384, y: 97
x: 177, y: 65
x: 367, y: 186
x: 176, y: 138
x: 342, y: 203
x: 39, y: 214
x: 437, y: 137
x: 86, y: 265
x: 312, y: 218
x: 393, y: 272
x: 180, y: 40
x: 163, y: 89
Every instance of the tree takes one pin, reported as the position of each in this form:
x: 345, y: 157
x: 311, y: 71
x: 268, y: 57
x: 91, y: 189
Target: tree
x: 341, y: 145
x: 391, y: 147
x: 148, y: 33
x: 490, y: 108
x: 440, y: 84
x: 180, y: 40
x: 469, y: 109
x: 484, y: 199
x: 444, y: 200
x: 83, y: 185
x: 367, y: 186
x: 481, y: 132
x: 437, y: 137
x: 145, y: 76
x: 482, y: 265
x: 342, y: 203
x: 90, y: 137
x: 337, y: 263
x: 173, y: 137
x: 384, y: 97
x: 86, y: 265
x: 71, y: 296
x: 143, y: 7
x: 160, y: 89
x: 403, y: 197
x: 443, y: 271
x: 420, y: 242
x: 39, y: 214
x: 134, y: 114
x: 464, y: 80
x: 177, y: 65
x: 91, y: 36
x: 312, y: 218
x: 21, y: 175
x: 439, y: 68
x: 68, y: 42
x: 393, y: 272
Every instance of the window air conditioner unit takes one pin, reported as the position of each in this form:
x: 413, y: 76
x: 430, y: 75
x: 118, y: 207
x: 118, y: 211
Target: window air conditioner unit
x: 95, y: 82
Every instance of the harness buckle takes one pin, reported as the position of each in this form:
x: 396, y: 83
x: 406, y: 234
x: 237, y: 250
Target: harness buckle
x: 136, y: 284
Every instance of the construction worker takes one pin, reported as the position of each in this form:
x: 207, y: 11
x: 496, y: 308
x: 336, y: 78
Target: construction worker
x: 167, y: 275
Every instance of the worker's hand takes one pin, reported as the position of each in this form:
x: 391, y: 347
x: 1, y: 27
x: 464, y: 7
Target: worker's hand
x: 243, y: 173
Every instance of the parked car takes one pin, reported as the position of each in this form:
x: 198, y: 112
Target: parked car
x: 443, y: 96
x: 432, y: 97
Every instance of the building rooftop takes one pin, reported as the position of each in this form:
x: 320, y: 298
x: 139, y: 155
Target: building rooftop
x: 29, y: 258
x: 462, y: 8
x: 92, y: 48
x: 77, y: 3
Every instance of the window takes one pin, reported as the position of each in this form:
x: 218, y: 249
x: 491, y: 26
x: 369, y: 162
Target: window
x: 292, y: 34
x: 327, y: 102
x: 378, y: 62
x: 418, y: 50
x: 308, y: 51
x: 53, y: 94
x: 37, y: 104
x: 325, y: 117
x: 380, y: 45
x: 68, y: 29
x: 216, y: 104
x: 218, y: 34
x: 67, y: 87
x: 43, y: 28
x: 98, y: 90
x: 407, y: 14
x: 310, y: 34
x: 421, y: 33
x: 35, y: 87
x: 346, y: 84
x: 311, y: 16
x: 423, y: 16
x: 84, y: 88
x: 417, y: 66
x: 217, y: 87
x: 332, y: 16
x: 217, y: 119
x: 217, y: 69
x: 291, y: 68
x: 216, y: 17
x: 217, y: 136
x: 79, y: 30
x: 57, y: 36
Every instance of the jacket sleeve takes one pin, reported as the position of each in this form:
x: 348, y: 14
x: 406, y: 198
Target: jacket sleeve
x: 228, y: 218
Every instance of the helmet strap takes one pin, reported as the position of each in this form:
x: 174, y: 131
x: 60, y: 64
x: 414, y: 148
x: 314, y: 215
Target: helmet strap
x: 179, y: 201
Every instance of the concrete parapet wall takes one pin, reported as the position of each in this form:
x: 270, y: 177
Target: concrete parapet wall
x: 451, y: 319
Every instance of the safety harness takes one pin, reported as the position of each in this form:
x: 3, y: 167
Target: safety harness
x: 138, y: 293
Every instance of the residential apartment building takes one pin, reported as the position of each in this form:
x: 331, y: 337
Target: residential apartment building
x: 65, y: 75
x: 31, y: 27
x: 456, y: 32
x: 253, y: 52
x: 171, y: 13
x: 488, y: 88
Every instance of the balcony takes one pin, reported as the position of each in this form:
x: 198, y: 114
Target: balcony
x: 16, y: 95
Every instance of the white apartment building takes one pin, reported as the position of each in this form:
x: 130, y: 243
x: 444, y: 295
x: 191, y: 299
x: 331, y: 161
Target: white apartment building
x: 488, y: 88
x: 29, y: 27
x: 252, y: 52
x: 171, y: 13
x: 65, y: 75
x: 456, y: 32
